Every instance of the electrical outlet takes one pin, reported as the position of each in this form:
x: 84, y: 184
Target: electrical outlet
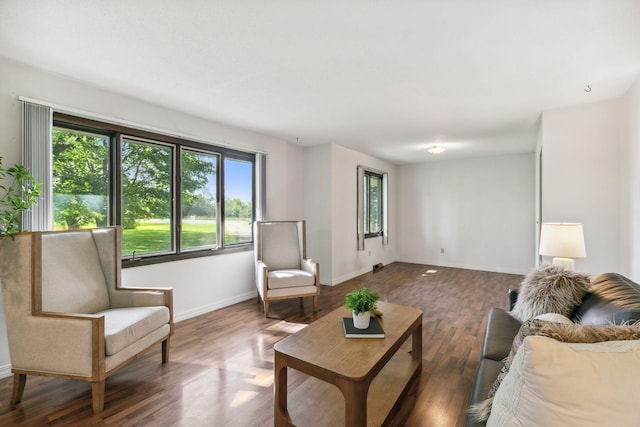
x: 441, y: 250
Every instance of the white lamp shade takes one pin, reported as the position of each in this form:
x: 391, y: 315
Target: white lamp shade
x: 563, y: 239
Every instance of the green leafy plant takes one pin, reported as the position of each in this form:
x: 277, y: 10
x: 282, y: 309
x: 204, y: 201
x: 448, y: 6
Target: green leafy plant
x: 18, y: 192
x: 361, y: 300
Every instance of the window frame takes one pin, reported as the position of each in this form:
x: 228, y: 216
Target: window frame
x: 117, y: 132
x: 367, y: 204
x: 178, y: 209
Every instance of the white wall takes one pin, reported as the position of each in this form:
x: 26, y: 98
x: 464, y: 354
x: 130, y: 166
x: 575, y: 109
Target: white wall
x: 632, y: 187
x: 201, y: 284
x: 583, y: 176
x: 330, y: 209
x: 481, y: 211
x: 318, y: 203
x: 347, y: 261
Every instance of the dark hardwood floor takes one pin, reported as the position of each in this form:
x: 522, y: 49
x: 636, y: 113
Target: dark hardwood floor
x: 220, y: 371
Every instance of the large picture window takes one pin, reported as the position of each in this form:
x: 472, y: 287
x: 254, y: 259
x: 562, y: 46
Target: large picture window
x: 173, y: 198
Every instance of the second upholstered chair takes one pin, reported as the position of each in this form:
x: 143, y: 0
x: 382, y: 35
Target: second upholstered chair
x: 283, y: 270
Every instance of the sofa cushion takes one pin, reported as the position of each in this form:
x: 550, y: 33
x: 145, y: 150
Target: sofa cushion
x: 72, y: 276
x: 550, y: 289
x: 560, y: 329
x: 125, y: 326
x: 560, y: 384
x: 487, y: 373
x: 481, y: 408
x: 290, y: 279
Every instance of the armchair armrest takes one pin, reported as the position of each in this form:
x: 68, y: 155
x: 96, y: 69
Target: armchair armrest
x: 141, y: 297
x: 62, y: 344
x: 261, y: 277
x: 310, y: 266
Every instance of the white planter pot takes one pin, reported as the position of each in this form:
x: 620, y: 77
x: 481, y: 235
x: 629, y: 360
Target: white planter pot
x: 361, y: 321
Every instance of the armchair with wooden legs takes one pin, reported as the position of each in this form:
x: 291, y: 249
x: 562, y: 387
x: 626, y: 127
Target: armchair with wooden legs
x: 67, y: 315
x: 283, y: 270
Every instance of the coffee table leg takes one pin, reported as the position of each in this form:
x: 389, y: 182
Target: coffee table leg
x: 355, y: 401
x: 280, y: 413
x: 416, y: 342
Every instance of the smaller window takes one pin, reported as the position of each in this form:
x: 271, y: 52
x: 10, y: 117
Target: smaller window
x: 199, y: 200
x: 372, y: 204
x: 147, y: 195
x: 81, y: 179
x: 238, y: 201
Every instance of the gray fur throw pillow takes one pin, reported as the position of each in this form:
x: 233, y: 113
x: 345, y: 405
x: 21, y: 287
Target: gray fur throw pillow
x: 577, y: 333
x: 550, y: 289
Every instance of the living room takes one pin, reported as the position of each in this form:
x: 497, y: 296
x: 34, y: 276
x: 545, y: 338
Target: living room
x: 579, y: 164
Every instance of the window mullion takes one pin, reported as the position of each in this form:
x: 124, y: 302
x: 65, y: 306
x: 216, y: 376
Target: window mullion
x: 177, y: 199
x: 116, y: 162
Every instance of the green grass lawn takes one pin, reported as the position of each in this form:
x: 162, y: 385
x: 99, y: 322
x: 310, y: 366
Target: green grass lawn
x: 155, y: 236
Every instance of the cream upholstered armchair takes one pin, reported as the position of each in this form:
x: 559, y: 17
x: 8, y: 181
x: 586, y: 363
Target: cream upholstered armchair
x: 282, y: 268
x: 67, y: 315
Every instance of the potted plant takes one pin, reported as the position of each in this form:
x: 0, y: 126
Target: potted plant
x: 361, y: 302
x: 18, y: 192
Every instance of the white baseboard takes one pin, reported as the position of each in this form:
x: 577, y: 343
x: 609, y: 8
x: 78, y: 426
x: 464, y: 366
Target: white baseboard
x: 348, y: 276
x: 5, y: 371
x: 177, y: 317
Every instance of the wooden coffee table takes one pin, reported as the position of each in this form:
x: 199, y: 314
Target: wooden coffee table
x: 372, y: 374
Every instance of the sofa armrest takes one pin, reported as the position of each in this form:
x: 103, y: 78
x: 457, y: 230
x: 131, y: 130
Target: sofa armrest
x: 501, y: 329
x: 488, y: 371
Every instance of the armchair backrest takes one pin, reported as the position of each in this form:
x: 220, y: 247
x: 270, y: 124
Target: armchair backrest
x: 280, y: 244
x: 73, y: 274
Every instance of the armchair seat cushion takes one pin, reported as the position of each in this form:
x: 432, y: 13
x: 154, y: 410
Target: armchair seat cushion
x: 125, y: 326
x: 281, y: 279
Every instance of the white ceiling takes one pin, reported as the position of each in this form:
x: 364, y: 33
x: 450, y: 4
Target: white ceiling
x: 387, y: 78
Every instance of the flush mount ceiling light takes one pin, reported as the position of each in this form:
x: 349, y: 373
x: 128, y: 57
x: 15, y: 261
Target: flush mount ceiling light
x: 436, y: 149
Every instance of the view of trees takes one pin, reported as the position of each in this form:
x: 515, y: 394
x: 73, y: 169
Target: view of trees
x: 82, y: 185
x: 198, y: 170
x: 80, y: 179
x: 236, y: 208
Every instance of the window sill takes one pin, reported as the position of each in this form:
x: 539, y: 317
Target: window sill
x: 368, y: 236
x: 126, y: 263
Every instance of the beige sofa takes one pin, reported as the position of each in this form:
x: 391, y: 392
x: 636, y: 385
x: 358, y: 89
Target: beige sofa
x: 67, y: 314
